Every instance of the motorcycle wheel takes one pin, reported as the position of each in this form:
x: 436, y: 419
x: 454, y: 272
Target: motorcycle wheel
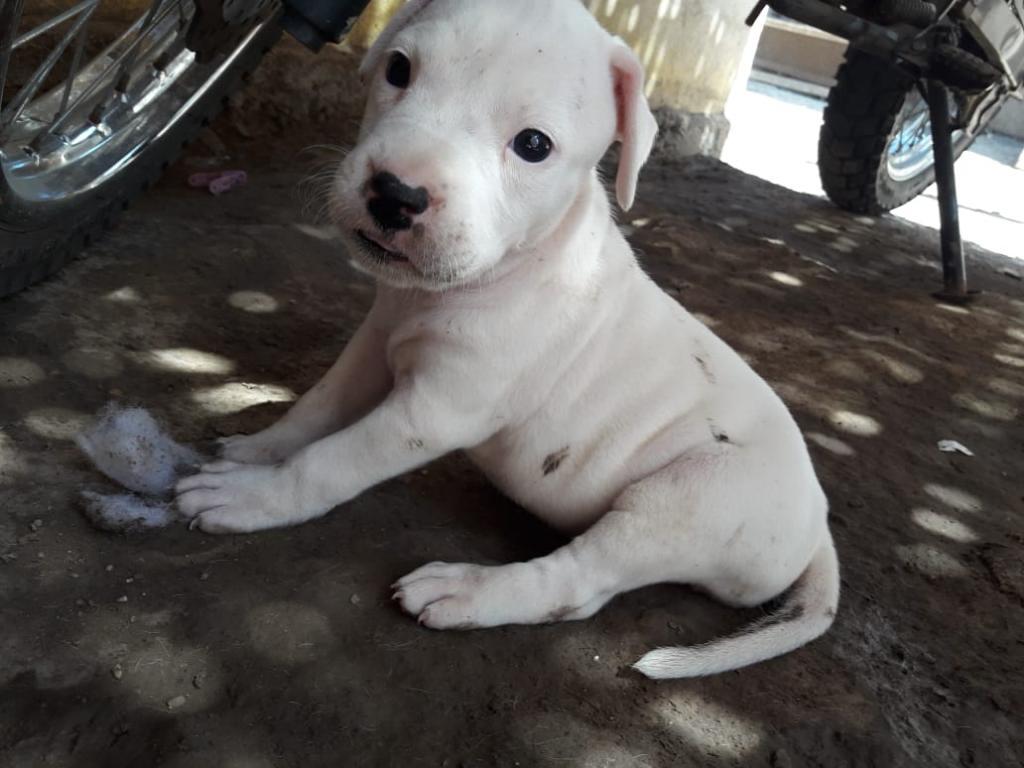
x: 76, y: 147
x: 875, y: 145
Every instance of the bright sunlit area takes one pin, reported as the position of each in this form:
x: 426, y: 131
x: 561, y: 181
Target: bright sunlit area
x: 775, y: 122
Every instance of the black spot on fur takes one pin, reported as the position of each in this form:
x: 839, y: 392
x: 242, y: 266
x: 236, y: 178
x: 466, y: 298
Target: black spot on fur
x: 554, y: 460
x: 718, y: 434
x: 415, y: 443
x: 705, y: 368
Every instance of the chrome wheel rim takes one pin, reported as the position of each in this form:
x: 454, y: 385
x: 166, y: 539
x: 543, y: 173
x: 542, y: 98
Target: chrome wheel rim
x: 909, y: 152
x: 67, y: 139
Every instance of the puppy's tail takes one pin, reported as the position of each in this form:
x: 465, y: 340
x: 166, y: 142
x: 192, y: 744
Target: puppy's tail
x: 808, y: 611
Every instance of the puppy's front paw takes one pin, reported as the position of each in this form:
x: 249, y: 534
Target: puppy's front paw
x: 450, y: 595
x: 254, y: 449
x: 226, y: 497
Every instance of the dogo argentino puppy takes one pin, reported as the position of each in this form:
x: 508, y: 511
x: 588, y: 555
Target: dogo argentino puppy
x: 513, y: 322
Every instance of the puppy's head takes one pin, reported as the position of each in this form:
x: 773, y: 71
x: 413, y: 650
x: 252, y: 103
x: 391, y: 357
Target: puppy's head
x: 484, y: 122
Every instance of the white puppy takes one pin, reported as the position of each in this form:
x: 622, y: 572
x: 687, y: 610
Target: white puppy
x: 513, y: 322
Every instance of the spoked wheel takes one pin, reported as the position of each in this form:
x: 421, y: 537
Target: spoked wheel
x: 81, y: 134
x: 875, y: 147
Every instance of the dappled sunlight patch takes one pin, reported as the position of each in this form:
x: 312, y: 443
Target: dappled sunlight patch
x: 953, y: 309
x: 257, y: 302
x: 10, y: 462
x: 125, y: 295
x: 902, y: 372
x: 289, y: 633
x: 954, y: 497
x: 707, y: 725
x: 943, y: 525
x: 1006, y: 387
x: 57, y: 423
x: 855, y: 423
x: 93, y: 363
x: 786, y: 279
x: 237, y: 396
x: 930, y: 561
x: 761, y: 342
x: 847, y: 369
x: 173, y: 678
x: 872, y: 338
x: 830, y: 444
x: 793, y: 394
x: 19, y: 372
x: 1015, y: 333
x: 185, y: 360
x: 978, y: 427
x: 843, y: 244
x: 1011, y: 360
x: 990, y: 409
x: 709, y: 321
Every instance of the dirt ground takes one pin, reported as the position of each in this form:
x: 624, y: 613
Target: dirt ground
x: 174, y: 648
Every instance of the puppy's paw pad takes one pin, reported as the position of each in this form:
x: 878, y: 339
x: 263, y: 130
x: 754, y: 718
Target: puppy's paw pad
x: 436, y: 582
x: 448, y: 613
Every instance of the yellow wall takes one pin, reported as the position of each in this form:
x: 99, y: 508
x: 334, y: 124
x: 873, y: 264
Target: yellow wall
x: 693, y: 50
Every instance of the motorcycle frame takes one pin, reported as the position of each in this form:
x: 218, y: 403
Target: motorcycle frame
x: 995, y: 26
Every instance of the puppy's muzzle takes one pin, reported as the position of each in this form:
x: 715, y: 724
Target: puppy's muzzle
x: 394, y: 204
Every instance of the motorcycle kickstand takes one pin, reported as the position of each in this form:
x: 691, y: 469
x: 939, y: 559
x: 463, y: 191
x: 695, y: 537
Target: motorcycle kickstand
x: 954, y: 268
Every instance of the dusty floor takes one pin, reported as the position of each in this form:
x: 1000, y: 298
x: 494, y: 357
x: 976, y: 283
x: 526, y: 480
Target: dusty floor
x: 282, y: 649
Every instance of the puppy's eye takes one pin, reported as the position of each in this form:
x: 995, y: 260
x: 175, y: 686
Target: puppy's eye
x: 399, y: 70
x: 532, y: 145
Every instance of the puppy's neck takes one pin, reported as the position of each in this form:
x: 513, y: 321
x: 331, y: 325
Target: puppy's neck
x: 571, y: 251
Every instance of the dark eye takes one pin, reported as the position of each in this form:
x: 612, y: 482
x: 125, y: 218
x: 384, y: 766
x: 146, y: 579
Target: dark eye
x: 532, y: 145
x: 399, y: 70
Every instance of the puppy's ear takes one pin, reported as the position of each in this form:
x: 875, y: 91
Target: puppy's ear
x: 635, y: 126
x: 398, y: 22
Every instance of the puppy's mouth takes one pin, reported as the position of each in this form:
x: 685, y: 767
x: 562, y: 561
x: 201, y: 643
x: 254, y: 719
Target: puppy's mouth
x: 378, y: 250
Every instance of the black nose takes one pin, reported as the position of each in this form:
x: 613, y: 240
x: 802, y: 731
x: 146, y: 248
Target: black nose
x: 394, y: 203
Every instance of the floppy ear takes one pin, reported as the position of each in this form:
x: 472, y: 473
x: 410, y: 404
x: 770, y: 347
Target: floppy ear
x: 398, y: 22
x: 635, y: 126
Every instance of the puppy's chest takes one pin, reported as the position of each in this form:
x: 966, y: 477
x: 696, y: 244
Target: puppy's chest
x: 563, y: 471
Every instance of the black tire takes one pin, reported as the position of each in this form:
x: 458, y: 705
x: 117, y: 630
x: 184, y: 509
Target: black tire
x: 859, y: 123
x: 38, y: 238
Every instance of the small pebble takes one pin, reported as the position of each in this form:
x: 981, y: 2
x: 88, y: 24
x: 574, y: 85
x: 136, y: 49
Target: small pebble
x: 355, y: 600
x: 204, y: 575
x: 109, y: 568
x: 123, y: 599
x: 35, y: 525
x: 198, y: 680
x: 117, y: 672
x: 176, y: 702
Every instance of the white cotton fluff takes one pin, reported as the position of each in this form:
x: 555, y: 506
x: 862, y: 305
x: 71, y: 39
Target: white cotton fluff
x: 126, y: 511
x: 128, y: 446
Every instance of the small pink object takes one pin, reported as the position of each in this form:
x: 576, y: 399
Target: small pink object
x: 218, y: 182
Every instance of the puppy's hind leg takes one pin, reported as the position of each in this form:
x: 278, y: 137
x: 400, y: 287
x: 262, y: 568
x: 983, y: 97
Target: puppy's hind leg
x: 572, y: 582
